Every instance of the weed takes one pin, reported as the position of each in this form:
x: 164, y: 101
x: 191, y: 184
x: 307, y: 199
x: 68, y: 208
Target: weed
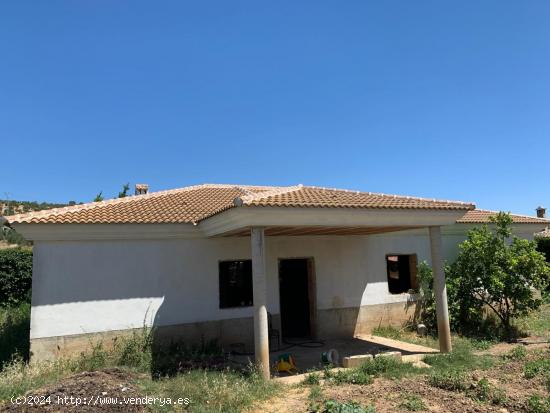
x: 517, y: 353
x: 538, y: 404
x: 333, y: 406
x: 312, y: 378
x: 461, y: 357
x: 348, y: 376
x: 412, y: 403
x: 454, y: 380
x: 388, y: 367
x: 315, y: 398
x: 535, y: 367
x: 486, y: 392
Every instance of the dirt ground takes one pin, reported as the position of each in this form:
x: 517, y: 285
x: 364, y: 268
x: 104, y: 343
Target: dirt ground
x: 387, y: 395
x: 98, y: 391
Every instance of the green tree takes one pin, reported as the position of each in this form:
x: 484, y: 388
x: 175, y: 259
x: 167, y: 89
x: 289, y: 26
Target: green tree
x: 99, y: 197
x: 497, y: 271
x: 124, y: 192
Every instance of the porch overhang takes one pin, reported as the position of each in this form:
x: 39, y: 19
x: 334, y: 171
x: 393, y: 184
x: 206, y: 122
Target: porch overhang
x: 324, y: 221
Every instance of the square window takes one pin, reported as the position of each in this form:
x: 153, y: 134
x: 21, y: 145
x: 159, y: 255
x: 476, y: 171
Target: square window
x: 401, y: 271
x: 235, y: 283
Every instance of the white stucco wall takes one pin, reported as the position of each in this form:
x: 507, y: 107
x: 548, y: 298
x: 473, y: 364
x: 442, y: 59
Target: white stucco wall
x: 93, y: 286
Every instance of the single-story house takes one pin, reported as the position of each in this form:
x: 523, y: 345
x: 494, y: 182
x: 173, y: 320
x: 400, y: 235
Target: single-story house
x: 235, y: 262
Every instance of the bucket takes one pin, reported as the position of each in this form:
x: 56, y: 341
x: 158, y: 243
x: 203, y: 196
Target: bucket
x: 330, y: 357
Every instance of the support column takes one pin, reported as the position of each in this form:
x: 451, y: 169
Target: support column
x: 440, y: 291
x: 261, y: 334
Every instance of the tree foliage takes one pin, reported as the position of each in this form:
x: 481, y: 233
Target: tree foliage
x: 493, y: 272
x: 99, y: 197
x: 124, y: 192
x: 15, y: 276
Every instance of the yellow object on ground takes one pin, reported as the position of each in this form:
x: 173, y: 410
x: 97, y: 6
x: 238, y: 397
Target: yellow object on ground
x: 285, y: 363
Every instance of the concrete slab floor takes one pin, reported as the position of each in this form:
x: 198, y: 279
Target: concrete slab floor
x: 307, y: 356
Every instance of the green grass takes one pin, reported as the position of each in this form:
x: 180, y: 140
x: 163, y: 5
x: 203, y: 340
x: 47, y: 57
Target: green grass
x: 536, y: 367
x: 538, y: 404
x: 211, y: 391
x: 452, y: 380
x: 537, y: 323
x: 517, y: 353
x: 208, y: 391
x: 485, y: 392
x: 412, y: 403
x: 334, y: 406
x: 461, y: 358
x: 14, y: 333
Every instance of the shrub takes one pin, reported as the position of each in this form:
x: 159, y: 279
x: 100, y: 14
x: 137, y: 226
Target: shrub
x: 538, y: 404
x: 535, y: 367
x: 348, y: 376
x: 333, y: 406
x: 14, y: 333
x: 517, y: 353
x: 412, y: 403
x: 486, y: 392
x: 15, y: 276
x: 453, y: 380
x: 492, y: 271
x: 312, y: 378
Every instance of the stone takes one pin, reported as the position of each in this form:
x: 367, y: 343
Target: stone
x: 393, y: 354
x: 356, y: 361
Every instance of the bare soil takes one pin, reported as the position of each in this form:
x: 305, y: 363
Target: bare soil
x: 96, y: 391
x: 387, y: 395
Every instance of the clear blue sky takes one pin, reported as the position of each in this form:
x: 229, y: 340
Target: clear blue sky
x: 428, y: 98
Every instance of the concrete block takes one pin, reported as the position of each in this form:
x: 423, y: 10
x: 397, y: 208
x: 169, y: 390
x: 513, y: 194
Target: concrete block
x: 356, y: 361
x: 393, y: 354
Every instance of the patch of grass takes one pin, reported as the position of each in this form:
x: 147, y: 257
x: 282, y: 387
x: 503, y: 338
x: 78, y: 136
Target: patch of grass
x: 536, y: 367
x: 14, y: 333
x: 461, y: 357
x: 412, y: 403
x: 453, y: 380
x: 333, y: 406
x: 388, y: 367
x: 312, y: 378
x: 315, y: 398
x: 487, y: 393
x: 537, y: 323
x: 517, y: 353
x: 538, y: 404
x: 348, y: 376
x: 211, y: 391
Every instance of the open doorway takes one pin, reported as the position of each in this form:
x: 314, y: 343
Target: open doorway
x: 297, y: 297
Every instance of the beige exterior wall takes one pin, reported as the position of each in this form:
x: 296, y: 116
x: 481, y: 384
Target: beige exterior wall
x: 332, y: 323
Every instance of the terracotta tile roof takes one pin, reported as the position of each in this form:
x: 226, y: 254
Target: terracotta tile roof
x: 481, y: 216
x: 195, y: 203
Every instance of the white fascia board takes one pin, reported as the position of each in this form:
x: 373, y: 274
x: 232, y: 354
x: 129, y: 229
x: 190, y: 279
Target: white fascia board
x: 77, y: 232
x: 244, y: 217
x: 463, y: 228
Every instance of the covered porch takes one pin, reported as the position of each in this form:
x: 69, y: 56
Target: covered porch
x: 264, y: 224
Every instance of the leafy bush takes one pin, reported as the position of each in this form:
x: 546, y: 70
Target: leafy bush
x: 412, y: 403
x: 535, y: 367
x: 333, y: 406
x: 484, y: 391
x: 453, y: 380
x: 14, y: 333
x: 543, y: 245
x: 348, y: 376
x: 312, y: 378
x: 15, y: 276
x: 517, y: 353
x: 538, y: 404
x: 496, y: 272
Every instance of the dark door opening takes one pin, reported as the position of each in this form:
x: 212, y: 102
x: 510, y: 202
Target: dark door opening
x: 296, y: 292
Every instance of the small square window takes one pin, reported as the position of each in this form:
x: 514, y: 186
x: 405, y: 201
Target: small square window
x: 235, y: 283
x: 401, y: 273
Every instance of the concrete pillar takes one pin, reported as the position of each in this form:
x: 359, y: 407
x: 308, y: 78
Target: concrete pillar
x: 261, y: 334
x: 440, y: 291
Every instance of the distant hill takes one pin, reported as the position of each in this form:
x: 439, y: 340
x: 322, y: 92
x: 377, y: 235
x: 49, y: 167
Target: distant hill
x: 10, y: 207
